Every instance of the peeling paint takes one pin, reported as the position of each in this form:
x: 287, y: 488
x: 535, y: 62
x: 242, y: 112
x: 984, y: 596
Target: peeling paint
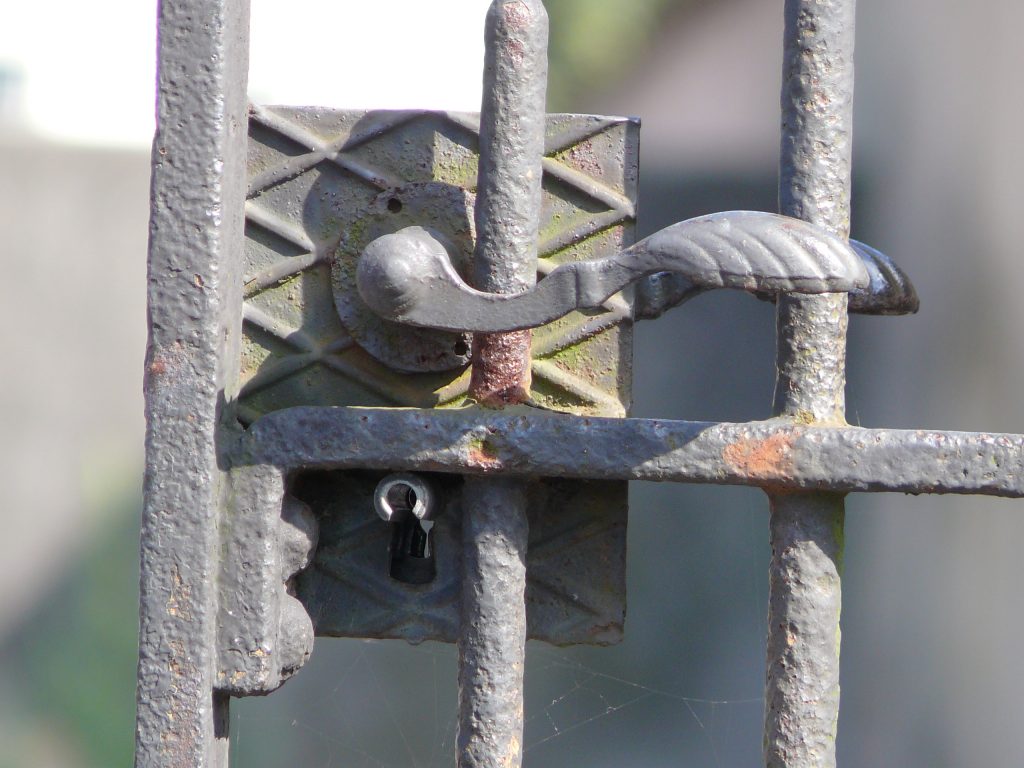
x: 179, y: 602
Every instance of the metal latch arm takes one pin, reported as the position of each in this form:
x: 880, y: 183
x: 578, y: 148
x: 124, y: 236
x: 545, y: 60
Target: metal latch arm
x: 888, y: 292
x: 408, y: 276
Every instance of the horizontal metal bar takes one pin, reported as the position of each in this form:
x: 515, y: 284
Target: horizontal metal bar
x: 778, y: 454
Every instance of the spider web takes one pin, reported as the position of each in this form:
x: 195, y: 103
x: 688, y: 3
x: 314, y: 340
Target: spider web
x: 683, y: 688
x: 388, y: 705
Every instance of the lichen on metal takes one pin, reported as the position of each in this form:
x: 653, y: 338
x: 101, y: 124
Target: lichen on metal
x: 309, y: 339
x: 325, y: 183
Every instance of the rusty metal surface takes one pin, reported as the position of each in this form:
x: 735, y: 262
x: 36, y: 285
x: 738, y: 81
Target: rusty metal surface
x: 802, y: 665
x: 308, y: 338
x: 194, y: 317
x: 507, y: 210
x: 495, y: 528
x: 321, y: 182
x: 232, y: 515
x: 775, y: 454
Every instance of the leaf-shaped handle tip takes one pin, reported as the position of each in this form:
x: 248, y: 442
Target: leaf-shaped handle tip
x: 889, y: 291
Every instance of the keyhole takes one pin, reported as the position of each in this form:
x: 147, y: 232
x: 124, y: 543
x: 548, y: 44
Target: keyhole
x: 407, y: 502
x: 401, y: 497
x: 412, y: 551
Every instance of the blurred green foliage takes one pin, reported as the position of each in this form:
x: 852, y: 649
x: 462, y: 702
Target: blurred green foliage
x: 593, y: 41
x: 73, y: 662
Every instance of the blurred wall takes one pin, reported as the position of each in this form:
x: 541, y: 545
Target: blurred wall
x: 73, y: 250
x: 74, y: 244
x: 931, y: 670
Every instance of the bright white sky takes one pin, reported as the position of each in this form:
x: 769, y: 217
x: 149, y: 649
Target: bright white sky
x: 88, y: 68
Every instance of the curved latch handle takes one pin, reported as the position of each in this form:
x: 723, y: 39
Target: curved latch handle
x: 408, y: 276
x: 888, y: 292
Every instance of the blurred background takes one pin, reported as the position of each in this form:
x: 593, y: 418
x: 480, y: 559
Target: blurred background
x: 933, y: 674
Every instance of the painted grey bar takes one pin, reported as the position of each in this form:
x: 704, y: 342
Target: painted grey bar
x: 196, y: 226
x: 777, y: 454
x: 802, y: 665
x: 492, y: 619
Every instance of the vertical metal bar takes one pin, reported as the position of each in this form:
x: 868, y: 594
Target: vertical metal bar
x: 492, y: 635
x: 802, y: 685
x: 509, y: 186
x: 196, y: 230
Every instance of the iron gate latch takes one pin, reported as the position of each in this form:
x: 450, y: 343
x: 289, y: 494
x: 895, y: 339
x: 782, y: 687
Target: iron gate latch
x: 355, y: 298
x: 311, y: 344
x: 360, y: 235
x: 330, y: 483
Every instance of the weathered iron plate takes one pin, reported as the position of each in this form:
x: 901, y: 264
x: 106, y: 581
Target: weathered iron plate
x: 322, y: 184
x: 575, y: 564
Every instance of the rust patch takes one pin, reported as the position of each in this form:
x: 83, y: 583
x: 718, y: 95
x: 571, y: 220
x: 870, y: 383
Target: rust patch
x: 517, y: 15
x: 164, y: 360
x: 585, y: 159
x: 514, y: 750
x: 517, y: 18
x: 482, y: 454
x: 179, y: 602
x: 769, y: 458
x: 515, y: 51
x: 178, y: 735
x: 501, y: 369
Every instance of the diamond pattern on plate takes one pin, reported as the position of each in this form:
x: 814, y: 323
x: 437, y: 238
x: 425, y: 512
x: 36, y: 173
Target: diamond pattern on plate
x: 321, y: 180
x: 312, y: 171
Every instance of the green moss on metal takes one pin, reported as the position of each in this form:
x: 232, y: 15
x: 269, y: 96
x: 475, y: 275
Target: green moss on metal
x: 839, y: 537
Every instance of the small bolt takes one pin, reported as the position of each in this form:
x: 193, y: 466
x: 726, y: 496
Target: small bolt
x: 401, y: 493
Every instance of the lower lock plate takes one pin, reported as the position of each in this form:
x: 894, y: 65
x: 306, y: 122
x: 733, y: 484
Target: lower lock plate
x: 575, y: 563
x: 321, y: 183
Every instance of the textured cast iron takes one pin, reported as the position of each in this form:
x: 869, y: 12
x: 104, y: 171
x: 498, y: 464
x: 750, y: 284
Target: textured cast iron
x: 888, y: 292
x: 408, y: 276
x: 222, y: 533
x: 778, y: 454
x: 309, y: 339
x: 802, y: 668
x: 264, y: 634
x: 495, y: 532
x: 194, y: 293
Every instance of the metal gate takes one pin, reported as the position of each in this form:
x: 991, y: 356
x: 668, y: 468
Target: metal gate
x: 310, y: 270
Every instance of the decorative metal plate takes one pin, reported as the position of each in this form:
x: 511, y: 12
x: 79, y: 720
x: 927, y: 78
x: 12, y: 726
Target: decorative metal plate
x: 575, y: 564
x: 323, y: 183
